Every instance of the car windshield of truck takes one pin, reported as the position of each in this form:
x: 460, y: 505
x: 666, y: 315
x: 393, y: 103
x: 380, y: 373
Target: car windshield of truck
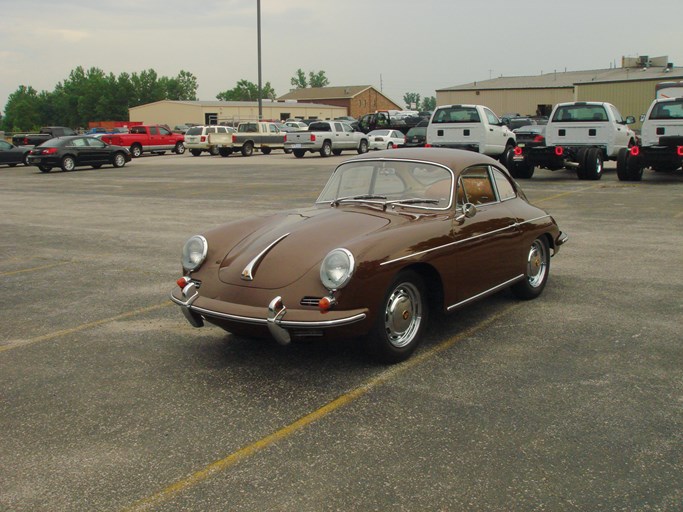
x: 580, y: 114
x: 456, y: 114
x: 668, y: 110
x: 409, y: 183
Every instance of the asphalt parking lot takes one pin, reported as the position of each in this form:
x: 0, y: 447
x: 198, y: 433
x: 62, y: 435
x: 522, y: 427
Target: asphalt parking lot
x: 109, y: 400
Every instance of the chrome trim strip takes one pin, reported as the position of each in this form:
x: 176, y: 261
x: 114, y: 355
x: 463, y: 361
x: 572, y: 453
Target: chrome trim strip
x: 457, y: 242
x: 492, y: 290
x: 247, y: 273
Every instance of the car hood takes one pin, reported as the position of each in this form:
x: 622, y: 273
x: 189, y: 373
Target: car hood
x: 290, y: 245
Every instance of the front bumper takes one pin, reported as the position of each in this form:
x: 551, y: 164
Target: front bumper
x: 281, y: 322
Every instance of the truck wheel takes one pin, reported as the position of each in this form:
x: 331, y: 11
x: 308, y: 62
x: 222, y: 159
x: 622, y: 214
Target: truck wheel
x: 265, y: 151
x: 326, y: 150
x: 225, y: 152
x: 299, y: 153
x: 195, y: 152
x: 213, y: 151
x: 179, y: 148
x: 593, y: 164
x: 247, y: 149
x: 363, y: 147
x: 506, y: 157
x: 629, y: 167
x: 522, y: 170
x: 68, y: 163
x: 136, y: 150
x: 336, y: 152
x: 581, y: 161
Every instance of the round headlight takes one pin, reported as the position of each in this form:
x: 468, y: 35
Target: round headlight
x: 194, y: 252
x: 336, y: 269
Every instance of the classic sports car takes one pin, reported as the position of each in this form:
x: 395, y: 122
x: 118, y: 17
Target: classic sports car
x: 391, y: 237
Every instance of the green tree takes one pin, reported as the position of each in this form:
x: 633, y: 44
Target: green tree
x: 318, y: 79
x: 429, y: 103
x: 245, y: 90
x: 299, y: 81
x: 411, y: 98
x: 181, y: 88
x: 22, y: 111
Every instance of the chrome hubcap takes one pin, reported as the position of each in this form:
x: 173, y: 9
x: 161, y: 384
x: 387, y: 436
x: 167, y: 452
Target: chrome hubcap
x: 537, y: 265
x: 403, y: 315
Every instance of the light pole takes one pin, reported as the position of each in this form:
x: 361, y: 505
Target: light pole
x: 258, y: 31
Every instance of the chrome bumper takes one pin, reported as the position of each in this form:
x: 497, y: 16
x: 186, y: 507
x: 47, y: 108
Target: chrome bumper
x: 279, y: 327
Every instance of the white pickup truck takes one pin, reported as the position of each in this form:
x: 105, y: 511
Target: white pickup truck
x: 579, y: 135
x: 661, y: 146
x: 327, y: 138
x: 250, y: 136
x: 471, y: 127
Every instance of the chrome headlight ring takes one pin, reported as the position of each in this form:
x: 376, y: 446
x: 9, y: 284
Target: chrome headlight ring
x: 194, y: 252
x: 337, y: 268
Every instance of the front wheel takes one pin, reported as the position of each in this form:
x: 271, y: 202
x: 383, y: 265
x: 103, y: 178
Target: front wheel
x: 400, y: 321
x: 68, y: 163
x: 179, y: 148
x: 363, y: 147
x: 537, y: 271
x: 119, y: 160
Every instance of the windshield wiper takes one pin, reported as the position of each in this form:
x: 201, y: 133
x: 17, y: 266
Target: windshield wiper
x: 414, y: 200
x: 336, y: 202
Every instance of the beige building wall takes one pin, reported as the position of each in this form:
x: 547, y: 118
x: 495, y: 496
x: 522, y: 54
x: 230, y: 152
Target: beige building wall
x: 174, y: 113
x: 503, y: 101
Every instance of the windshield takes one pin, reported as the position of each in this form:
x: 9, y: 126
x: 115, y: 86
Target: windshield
x: 420, y: 184
x: 456, y: 114
x: 580, y: 113
x: 668, y: 110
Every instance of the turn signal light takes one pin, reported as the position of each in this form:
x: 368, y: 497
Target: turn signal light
x: 182, y: 282
x: 326, y: 303
x: 635, y: 150
x: 559, y: 150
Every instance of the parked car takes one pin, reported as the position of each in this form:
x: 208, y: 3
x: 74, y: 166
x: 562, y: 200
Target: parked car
x: 297, y: 125
x: 46, y: 133
x: 416, y: 136
x: 326, y: 138
x: 385, y: 139
x: 148, y: 139
x: 12, y: 155
x: 77, y: 151
x: 394, y: 237
x: 197, y: 138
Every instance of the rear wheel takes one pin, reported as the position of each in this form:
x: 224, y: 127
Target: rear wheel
x: 266, y: 151
x: 225, y: 152
x: 594, y: 164
x: 336, y: 152
x: 136, y: 150
x: 363, y: 147
x: 581, y: 161
x: 247, y: 149
x: 213, y: 151
x: 299, y: 153
x: 195, y: 152
x: 68, y: 163
x: 401, y: 319
x: 629, y: 167
x: 537, y: 271
x: 44, y: 168
x: 507, y: 157
x: 522, y: 170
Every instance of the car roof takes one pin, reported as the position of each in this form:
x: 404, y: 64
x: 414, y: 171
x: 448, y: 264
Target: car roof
x: 454, y: 159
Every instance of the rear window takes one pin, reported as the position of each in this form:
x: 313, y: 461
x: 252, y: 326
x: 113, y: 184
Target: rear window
x: 580, y: 113
x: 668, y: 110
x: 248, y: 128
x: 456, y: 114
x: 195, y: 130
x: 319, y: 127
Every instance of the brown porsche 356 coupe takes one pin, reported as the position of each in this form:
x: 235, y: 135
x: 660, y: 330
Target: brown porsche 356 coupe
x: 393, y: 236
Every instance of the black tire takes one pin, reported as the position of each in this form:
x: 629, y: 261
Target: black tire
x: 401, y: 320
x: 24, y: 160
x: 266, y: 151
x: 287, y: 151
x: 44, y: 168
x: 96, y: 166
x: 213, y: 151
x: 521, y: 170
x: 225, y: 152
x: 179, y: 148
x: 326, y: 150
x: 593, y: 165
x: 507, y: 157
x: 299, y: 153
x: 119, y: 160
x: 363, y: 147
x: 195, y: 152
x: 581, y: 161
x: 390, y: 145
x: 247, y: 149
x: 136, y: 150
x: 629, y: 167
x: 537, y: 271
x: 336, y: 152
x: 68, y: 163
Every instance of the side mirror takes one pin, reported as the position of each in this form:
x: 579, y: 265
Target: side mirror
x: 468, y: 211
x: 630, y: 120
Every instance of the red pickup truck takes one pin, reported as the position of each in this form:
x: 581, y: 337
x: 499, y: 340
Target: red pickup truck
x: 147, y: 139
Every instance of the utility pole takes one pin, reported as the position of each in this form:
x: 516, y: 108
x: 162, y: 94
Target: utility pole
x: 258, y: 30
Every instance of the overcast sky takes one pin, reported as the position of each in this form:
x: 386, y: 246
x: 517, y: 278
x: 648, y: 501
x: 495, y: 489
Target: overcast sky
x: 397, y: 46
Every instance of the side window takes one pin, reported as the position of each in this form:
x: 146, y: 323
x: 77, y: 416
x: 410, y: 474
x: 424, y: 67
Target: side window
x: 211, y: 129
x: 505, y: 188
x: 79, y: 143
x: 338, y: 127
x: 617, y: 115
x: 476, y: 186
x: 492, y: 118
x: 164, y: 131
x: 95, y: 143
x: 153, y: 130
x: 4, y: 145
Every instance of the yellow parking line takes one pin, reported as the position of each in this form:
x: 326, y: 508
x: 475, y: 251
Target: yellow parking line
x: 82, y: 327
x: 327, y: 409
x: 32, y: 269
x: 561, y: 194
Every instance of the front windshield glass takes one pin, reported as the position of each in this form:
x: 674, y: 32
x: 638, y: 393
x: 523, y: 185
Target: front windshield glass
x: 418, y: 184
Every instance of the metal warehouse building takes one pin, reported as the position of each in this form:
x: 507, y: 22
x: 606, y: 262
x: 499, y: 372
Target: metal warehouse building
x: 631, y: 88
x: 174, y: 113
